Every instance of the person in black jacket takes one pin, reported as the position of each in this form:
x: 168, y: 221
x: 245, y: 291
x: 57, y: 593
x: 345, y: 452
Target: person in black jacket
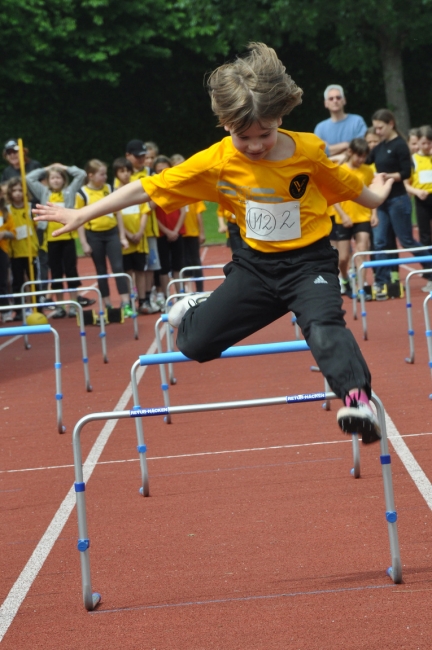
x: 393, y: 158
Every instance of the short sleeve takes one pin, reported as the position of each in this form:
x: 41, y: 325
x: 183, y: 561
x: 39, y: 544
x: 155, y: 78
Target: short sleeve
x: 192, y: 181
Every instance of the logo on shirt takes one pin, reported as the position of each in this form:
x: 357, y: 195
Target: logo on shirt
x: 298, y: 186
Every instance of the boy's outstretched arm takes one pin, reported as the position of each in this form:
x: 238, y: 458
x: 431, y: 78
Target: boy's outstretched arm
x: 377, y: 192
x: 130, y: 194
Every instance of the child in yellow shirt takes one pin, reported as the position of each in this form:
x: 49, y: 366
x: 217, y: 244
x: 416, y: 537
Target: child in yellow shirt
x: 278, y: 183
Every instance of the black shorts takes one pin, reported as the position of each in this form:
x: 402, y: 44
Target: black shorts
x: 170, y: 254
x: 191, y: 250
x: 346, y: 234
x: 134, y: 261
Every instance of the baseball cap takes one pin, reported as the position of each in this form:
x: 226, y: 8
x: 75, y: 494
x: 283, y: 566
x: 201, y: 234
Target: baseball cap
x: 136, y: 148
x: 11, y: 144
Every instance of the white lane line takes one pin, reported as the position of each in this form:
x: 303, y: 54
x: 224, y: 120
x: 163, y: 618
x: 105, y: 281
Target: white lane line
x: 413, y: 468
x: 204, y: 453
x: 13, y: 601
x: 9, y: 341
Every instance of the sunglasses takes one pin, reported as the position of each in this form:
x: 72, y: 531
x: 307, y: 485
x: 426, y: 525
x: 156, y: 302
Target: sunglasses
x: 331, y: 99
x: 9, y: 151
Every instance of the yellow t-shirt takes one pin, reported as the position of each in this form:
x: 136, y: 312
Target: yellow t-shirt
x: 23, y: 226
x: 358, y: 213
x: 422, y: 175
x: 279, y: 205
x: 191, y: 224
x: 6, y: 223
x: 132, y: 220
x: 152, y: 226
x: 86, y: 196
x: 57, y: 197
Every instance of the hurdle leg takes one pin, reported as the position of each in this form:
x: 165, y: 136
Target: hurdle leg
x: 141, y: 448
x: 363, y: 304
x: 395, y: 571
x: 162, y: 371
x: 170, y: 348
x: 409, y: 359
x: 59, y: 395
x: 84, y: 349
x: 428, y: 332
x: 353, y: 276
x: 356, y: 456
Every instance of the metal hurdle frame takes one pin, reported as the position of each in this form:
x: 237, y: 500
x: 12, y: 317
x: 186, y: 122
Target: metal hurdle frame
x: 353, y: 274
x: 410, y: 359
x: 107, y: 276
x: 197, y: 268
x: 90, y: 598
x: 428, y: 331
x: 394, y: 262
x: 101, y: 313
x: 44, y: 329
x: 27, y: 345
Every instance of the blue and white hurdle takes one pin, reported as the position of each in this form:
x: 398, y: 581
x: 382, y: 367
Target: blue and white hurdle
x: 101, y: 313
x: 410, y: 359
x: 90, y: 598
x: 107, y: 276
x: 44, y: 329
x: 83, y: 340
x: 393, y: 262
x: 356, y: 256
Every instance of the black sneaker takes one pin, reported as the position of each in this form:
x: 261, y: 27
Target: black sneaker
x: 359, y: 418
x: 59, y: 312
x: 346, y: 289
x: 85, y: 302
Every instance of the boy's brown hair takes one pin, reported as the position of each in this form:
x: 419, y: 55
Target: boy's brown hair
x: 255, y: 88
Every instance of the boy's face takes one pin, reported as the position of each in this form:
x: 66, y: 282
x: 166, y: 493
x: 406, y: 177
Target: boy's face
x: 424, y: 146
x: 372, y: 139
x: 357, y: 160
x: 17, y: 195
x: 124, y: 175
x: 149, y: 158
x: 257, y: 141
x: 137, y: 161
x: 55, y: 181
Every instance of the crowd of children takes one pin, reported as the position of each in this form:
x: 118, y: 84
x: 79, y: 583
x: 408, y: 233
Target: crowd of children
x: 142, y: 241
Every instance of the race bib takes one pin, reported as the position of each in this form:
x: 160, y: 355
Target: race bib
x: 21, y: 232
x: 132, y: 209
x: 425, y: 176
x: 273, y: 221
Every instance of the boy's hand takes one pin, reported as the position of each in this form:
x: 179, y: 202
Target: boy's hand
x: 71, y: 219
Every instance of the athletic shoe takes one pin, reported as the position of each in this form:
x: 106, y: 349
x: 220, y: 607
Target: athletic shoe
x: 428, y: 287
x: 176, y: 313
x: 346, y: 289
x: 128, y: 312
x: 160, y: 300
x: 358, y: 417
x: 73, y: 312
x: 7, y: 317
x: 85, y: 302
x: 380, y: 292
x: 59, y: 312
x: 147, y: 308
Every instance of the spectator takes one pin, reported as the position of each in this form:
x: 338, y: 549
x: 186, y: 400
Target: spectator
x: 340, y: 128
x: 11, y: 155
x: 413, y: 140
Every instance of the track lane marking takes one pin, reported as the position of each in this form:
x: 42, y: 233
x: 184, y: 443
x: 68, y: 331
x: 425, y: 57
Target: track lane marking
x: 205, y: 453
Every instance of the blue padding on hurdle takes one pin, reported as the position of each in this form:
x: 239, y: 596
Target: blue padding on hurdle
x: 430, y: 364
x: 428, y: 332
x: 22, y: 330
x: 137, y: 407
x: 59, y: 396
x: 79, y: 487
x: 408, y: 305
x: 306, y: 397
x: 85, y: 360
x: 101, y: 313
x: 164, y: 318
x: 102, y: 335
x: 236, y: 351
x: 141, y: 449
x: 363, y: 313
x: 391, y: 516
x: 385, y: 459
x: 164, y: 386
x: 82, y: 333
x: 411, y: 332
x: 398, y: 261
x: 83, y: 545
x: 136, y: 413
x: 57, y: 365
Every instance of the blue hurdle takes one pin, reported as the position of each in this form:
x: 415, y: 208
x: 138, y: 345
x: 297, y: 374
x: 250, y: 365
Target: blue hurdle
x: 90, y: 598
x: 44, y: 329
x: 101, y: 313
x: 107, y: 276
x: 371, y: 265
x: 353, y: 275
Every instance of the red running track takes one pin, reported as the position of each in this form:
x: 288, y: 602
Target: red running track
x: 255, y: 534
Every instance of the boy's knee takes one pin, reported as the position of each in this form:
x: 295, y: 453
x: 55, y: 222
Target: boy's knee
x: 197, y: 348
